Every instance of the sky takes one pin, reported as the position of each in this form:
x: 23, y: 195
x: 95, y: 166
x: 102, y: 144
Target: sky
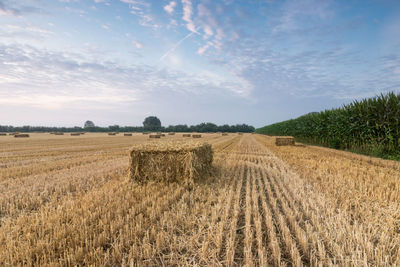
x: 63, y: 62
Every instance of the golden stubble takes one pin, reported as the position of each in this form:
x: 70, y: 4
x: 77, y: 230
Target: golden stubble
x: 67, y: 201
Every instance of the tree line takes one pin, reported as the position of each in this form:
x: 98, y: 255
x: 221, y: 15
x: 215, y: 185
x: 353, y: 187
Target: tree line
x: 202, y: 128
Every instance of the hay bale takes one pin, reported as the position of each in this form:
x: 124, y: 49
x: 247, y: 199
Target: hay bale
x: 154, y: 136
x: 170, y: 162
x: 196, y: 135
x: 21, y: 135
x: 284, y: 141
x: 58, y: 133
x: 163, y: 135
x: 224, y: 134
x: 127, y: 134
x: 186, y: 135
x: 112, y: 133
x: 3, y: 134
x: 14, y: 133
x: 75, y: 134
x: 171, y: 133
x: 240, y: 133
x: 145, y: 133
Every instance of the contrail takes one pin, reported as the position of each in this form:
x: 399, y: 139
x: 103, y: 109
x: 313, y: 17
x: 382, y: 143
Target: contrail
x: 175, y: 46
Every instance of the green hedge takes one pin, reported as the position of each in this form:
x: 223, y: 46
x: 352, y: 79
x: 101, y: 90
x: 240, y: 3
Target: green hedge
x: 369, y: 126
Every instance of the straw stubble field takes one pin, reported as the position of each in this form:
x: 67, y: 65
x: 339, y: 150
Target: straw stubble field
x: 67, y: 200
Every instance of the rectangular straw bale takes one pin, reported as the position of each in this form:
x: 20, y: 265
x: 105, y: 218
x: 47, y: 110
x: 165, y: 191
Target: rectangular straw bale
x: 196, y: 135
x: 21, y: 135
x: 284, y: 141
x: 171, y: 133
x: 112, y: 133
x: 75, y: 134
x: 3, y: 134
x: 58, y: 133
x: 145, y: 133
x: 127, y: 134
x: 154, y: 136
x: 163, y: 135
x: 170, y: 162
x: 224, y: 134
x: 186, y: 135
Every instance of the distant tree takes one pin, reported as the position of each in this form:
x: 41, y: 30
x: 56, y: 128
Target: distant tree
x: 114, y: 128
x: 89, y: 124
x: 152, y: 123
x: 181, y: 128
x: 225, y: 128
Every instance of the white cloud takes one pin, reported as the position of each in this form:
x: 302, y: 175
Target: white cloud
x: 142, y: 10
x: 147, y: 20
x: 208, y: 32
x: 187, y: 15
x: 69, y: 1
x: 61, y: 101
x: 25, y: 32
x: 170, y: 7
x: 7, y: 9
x: 204, y: 48
x: 64, y: 80
x: 295, y: 13
x: 136, y: 2
x: 137, y: 44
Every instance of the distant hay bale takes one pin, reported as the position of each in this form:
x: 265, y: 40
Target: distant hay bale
x: 3, y: 134
x: 224, y: 134
x: 196, y: 135
x: 14, y: 133
x: 145, y: 133
x: 21, y: 135
x: 171, y: 133
x: 58, y: 133
x: 284, y: 141
x: 127, y: 134
x: 82, y: 133
x: 240, y: 133
x: 170, y: 162
x: 163, y: 135
x: 75, y: 134
x: 154, y: 136
x: 186, y: 135
x: 112, y: 133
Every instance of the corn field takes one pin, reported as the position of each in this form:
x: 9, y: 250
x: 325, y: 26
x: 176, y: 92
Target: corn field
x: 66, y: 201
x: 370, y: 125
